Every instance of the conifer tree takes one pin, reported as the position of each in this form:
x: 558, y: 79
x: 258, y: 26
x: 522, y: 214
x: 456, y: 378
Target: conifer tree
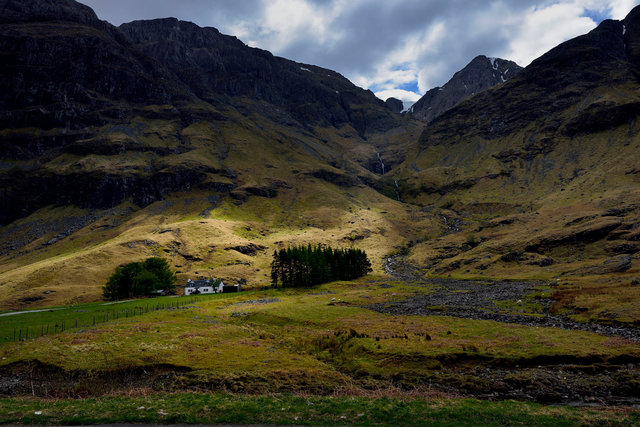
x: 312, y: 265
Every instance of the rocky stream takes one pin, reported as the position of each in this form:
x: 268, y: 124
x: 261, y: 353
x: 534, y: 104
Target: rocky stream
x: 552, y: 380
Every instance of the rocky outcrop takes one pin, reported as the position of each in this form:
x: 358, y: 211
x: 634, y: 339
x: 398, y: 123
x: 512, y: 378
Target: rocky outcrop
x: 251, y: 249
x: 21, y: 195
x: 394, y: 104
x: 480, y: 74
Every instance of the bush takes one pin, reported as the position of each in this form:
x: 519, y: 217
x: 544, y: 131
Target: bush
x: 139, y: 279
x: 473, y: 240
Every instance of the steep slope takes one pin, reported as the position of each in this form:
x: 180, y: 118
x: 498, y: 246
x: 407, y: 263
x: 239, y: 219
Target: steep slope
x: 480, y: 74
x: 74, y: 86
x: 111, y: 136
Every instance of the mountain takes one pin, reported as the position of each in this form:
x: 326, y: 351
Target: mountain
x: 480, y: 74
x: 111, y: 135
x: 394, y: 104
x: 541, y: 172
x: 86, y: 104
x: 163, y: 138
x: 214, y: 65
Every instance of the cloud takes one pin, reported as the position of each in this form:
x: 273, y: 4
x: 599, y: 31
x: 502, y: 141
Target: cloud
x: 620, y: 8
x: 541, y: 29
x: 398, y: 46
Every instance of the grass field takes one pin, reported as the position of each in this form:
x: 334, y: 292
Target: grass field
x: 17, y: 325
x: 319, y: 340
x: 193, y: 408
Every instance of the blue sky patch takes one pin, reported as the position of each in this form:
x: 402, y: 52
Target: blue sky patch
x: 596, y: 15
x: 411, y: 86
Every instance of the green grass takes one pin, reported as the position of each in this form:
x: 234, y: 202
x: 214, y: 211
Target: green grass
x: 51, y: 320
x: 196, y: 408
x: 294, y: 330
x: 317, y: 341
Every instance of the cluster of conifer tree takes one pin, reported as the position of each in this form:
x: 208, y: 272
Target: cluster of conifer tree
x: 308, y: 265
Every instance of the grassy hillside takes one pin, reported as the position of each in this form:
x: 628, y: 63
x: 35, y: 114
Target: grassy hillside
x: 261, y: 183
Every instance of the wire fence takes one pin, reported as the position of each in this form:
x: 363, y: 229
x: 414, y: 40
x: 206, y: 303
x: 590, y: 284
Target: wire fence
x: 26, y: 332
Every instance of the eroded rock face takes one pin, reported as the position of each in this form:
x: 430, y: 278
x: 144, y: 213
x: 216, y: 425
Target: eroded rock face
x: 70, y: 70
x: 214, y: 66
x: 76, y: 85
x: 19, y: 197
x: 480, y: 74
x: 14, y: 11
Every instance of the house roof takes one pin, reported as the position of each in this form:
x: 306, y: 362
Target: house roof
x: 203, y: 282
x: 198, y: 283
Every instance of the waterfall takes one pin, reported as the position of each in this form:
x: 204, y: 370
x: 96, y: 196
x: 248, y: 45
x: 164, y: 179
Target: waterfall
x: 381, y: 162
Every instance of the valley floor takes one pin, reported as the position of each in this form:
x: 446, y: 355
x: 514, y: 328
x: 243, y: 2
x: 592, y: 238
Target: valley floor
x: 379, y: 342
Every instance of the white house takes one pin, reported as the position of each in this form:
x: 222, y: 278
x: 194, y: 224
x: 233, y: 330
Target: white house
x: 207, y: 286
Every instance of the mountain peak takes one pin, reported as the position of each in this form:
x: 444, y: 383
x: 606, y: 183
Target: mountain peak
x: 481, y: 73
x: 14, y: 11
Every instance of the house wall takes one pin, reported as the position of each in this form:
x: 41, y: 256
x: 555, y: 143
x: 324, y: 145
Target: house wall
x: 202, y: 290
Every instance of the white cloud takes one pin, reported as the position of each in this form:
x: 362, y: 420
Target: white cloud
x: 620, y: 8
x: 541, y: 29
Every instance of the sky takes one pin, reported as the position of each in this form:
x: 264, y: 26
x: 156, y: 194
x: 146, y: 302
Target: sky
x: 399, y: 48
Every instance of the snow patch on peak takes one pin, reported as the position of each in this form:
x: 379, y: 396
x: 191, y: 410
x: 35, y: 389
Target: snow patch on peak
x: 624, y: 29
x: 305, y: 69
x: 493, y: 62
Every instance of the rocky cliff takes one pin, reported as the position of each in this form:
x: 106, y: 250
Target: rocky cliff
x: 219, y: 67
x: 82, y: 100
